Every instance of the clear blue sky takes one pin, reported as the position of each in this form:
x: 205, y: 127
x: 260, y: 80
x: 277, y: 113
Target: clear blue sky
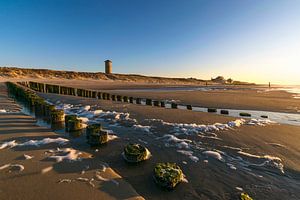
x: 253, y: 40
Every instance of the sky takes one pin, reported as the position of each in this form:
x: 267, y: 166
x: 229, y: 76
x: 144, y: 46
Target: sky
x: 250, y: 40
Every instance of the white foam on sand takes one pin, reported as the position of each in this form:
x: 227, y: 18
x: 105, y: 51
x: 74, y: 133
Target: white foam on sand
x: 2, y: 111
x: 239, y: 189
x: 171, y: 140
x: 62, y: 106
x: 60, y: 141
x: 100, y: 178
x: 188, y: 129
x: 260, y: 122
x: 231, y: 166
x: 267, y: 161
x: 86, y: 115
x: 277, y: 145
x: 81, y: 179
x: 9, y: 144
x: 13, y: 167
x: 97, y: 112
x: 142, y: 128
x: 112, y: 137
x: 189, y: 154
x: 46, y: 170
x: 83, y: 119
x: 67, y: 154
x: 4, y: 166
x: 214, y: 154
x: 27, y: 157
x: 64, y: 180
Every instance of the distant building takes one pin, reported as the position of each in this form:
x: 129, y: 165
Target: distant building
x: 108, y: 66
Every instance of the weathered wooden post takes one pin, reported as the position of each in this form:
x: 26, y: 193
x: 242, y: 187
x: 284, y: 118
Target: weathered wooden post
x: 92, y: 129
x: 138, y: 100
x: 57, y: 116
x: 224, y: 112
x: 74, y: 125
x: 174, y: 105
x: 149, y: 102
x: 125, y: 99
x: 67, y: 118
x: 211, y: 110
x: 130, y: 99
x: 119, y: 98
x: 156, y: 103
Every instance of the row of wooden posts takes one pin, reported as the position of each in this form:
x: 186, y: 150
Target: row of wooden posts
x: 57, y: 89
x: 94, y: 133
x: 34, y: 103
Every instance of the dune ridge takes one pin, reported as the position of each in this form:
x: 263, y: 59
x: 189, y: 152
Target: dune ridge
x: 15, y: 72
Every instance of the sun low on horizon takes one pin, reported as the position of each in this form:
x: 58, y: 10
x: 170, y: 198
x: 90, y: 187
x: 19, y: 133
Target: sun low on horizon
x: 254, y: 41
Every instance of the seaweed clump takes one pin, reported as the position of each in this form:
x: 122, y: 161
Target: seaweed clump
x: 135, y: 153
x: 245, y: 196
x: 167, y: 175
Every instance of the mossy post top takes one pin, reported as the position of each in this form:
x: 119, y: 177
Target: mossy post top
x: 108, y: 66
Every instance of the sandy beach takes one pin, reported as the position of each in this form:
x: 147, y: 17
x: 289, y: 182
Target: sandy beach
x: 244, y: 156
x: 149, y: 100
x: 257, y: 97
x: 44, y: 178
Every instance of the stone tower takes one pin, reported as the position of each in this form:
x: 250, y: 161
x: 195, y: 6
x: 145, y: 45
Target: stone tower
x: 108, y: 66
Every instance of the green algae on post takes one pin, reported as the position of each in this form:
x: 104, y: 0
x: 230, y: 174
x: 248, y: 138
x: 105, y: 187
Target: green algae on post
x: 138, y: 100
x: 125, y: 99
x: 174, y: 105
x: 167, y: 175
x: 130, y: 99
x: 99, y: 138
x: 211, y: 110
x: 93, y: 129
x: 149, y: 102
x: 135, y: 153
x: 74, y: 125
x: 113, y: 97
x: 189, y: 107
x: 57, y: 115
x: 156, y: 103
x: 244, y: 114
x: 245, y: 196
x: 119, y: 98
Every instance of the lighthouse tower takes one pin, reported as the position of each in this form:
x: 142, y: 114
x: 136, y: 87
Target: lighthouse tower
x: 108, y: 66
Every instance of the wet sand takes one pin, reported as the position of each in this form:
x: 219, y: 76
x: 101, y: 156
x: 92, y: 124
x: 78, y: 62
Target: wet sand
x: 208, y: 178
x: 206, y: 181
x: 32, y: 183
x: 244, y: 97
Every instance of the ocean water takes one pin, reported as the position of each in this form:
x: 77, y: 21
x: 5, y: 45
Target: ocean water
x: 294, y: 89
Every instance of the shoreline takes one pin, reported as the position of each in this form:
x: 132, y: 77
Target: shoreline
x: 208, y: 177
x: 42, y: 177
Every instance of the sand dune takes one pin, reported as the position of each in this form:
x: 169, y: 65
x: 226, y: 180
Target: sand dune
x: 23, y: 73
